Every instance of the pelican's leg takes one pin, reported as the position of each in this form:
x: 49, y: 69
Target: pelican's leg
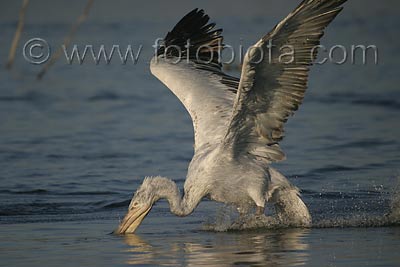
x: 260, y: 211
x: 259, y: 200
x: 289, y: 207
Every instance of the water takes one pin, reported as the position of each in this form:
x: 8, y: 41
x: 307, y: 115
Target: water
x: 75, y: 146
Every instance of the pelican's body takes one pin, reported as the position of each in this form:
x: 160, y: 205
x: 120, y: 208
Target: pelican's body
x: 222, y: 175
x: 212, y: 171
x: 237, y: 123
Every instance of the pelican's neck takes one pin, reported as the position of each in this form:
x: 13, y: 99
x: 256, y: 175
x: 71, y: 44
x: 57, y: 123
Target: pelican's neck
x: 167, y: 189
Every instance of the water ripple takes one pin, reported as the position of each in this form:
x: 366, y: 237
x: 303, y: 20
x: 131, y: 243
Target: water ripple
x: 359, y: 99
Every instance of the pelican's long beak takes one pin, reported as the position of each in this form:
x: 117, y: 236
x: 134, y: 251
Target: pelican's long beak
x: 132, y: 220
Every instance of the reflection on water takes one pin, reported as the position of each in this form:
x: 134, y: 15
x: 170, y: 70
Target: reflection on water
x: 279, y: 248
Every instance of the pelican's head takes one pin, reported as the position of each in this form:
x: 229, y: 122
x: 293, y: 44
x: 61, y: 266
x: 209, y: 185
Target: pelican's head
x: 140, y: 205
x: 151, y: 190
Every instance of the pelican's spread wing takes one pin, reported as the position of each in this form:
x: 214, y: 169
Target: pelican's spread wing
x: 271, y: 90
x: 188, y: 64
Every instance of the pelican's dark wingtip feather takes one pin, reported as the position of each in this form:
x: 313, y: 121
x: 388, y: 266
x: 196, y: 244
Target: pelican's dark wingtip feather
x: 194, y: 29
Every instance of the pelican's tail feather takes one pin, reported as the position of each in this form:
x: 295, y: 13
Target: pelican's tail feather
x: 290, y: 208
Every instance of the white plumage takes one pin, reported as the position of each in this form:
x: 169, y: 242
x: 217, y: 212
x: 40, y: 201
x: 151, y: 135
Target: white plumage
x: 237, y: 123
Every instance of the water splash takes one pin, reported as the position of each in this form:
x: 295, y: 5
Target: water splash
x: 227, y: 219
x: 394, y: 214
x: 271, y: 222
x: 391, y: 218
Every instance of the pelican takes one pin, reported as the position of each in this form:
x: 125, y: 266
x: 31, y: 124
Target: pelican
x: 238, y: 123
